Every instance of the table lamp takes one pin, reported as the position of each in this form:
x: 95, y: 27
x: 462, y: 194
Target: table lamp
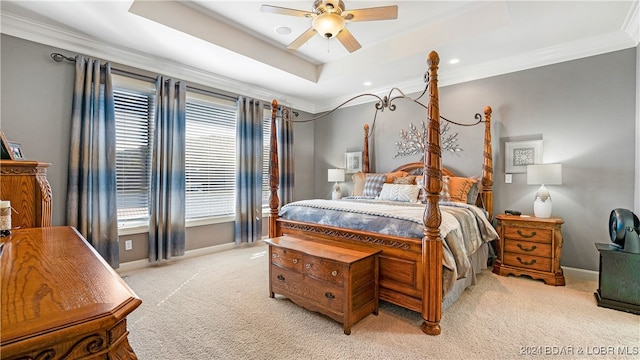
x: 336, y: 175
x: 549, y: 174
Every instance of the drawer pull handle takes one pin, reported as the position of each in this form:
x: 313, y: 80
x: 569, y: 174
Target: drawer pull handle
x: 334, y: 273
x: 523, y: 249
x: 275, y: 256
x: 329, y: 296
x: 533, y: 233
x: 525, y: 262
x: 295, y: 261
x: 280, y: 277
x: 308, y: 266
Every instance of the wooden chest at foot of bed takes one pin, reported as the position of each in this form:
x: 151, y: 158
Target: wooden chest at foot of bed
x: 337, y: 282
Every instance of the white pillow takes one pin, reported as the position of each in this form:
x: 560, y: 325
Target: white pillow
x: 400, y: 192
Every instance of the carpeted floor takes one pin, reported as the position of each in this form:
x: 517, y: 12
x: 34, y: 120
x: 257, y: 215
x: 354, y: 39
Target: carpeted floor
x: 217, y: 307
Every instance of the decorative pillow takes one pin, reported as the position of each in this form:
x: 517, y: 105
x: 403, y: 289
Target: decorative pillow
x: 407, y: 180
x: 459, y: 188
x: 422, y: 196
x: 394, y: 175
x: 358, y: 183
x: 472, y: 195
x: 373, y: 184
x: 399, y: 192
x: 444, y: 193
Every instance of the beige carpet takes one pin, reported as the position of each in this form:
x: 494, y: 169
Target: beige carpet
x: 217, y: 307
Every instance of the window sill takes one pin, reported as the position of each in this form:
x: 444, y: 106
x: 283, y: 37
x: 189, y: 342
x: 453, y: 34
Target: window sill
x: 131, y: 229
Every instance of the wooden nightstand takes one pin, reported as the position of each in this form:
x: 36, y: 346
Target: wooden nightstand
x: 530, y: 246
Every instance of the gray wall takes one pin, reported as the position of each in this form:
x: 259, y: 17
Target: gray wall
x: 584, y: 110
x: 36, y: 95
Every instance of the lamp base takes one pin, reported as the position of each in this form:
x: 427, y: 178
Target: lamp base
x: 337, y: 192
x: 542, y: 208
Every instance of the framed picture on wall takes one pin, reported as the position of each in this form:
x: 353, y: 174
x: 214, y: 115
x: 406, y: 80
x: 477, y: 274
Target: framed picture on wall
x: 519, y: 154
x: 353, y: 162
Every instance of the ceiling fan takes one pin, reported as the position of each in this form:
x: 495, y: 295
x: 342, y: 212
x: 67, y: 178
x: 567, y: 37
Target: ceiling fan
x: 329, y: 20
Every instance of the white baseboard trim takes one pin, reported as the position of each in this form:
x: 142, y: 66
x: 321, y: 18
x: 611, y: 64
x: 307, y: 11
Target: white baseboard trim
x: 143, y: 263
x: 580, y: 274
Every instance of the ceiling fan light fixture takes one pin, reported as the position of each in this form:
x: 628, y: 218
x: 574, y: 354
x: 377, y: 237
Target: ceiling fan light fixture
x: 328, y: 25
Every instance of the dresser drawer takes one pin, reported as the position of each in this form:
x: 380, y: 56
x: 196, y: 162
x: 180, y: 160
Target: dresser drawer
x: 528, y: 234
x: 527, y: 261
x: 323, y: 269
x: 287, y: 258
x: 325, y: 294
x: 527, y: 248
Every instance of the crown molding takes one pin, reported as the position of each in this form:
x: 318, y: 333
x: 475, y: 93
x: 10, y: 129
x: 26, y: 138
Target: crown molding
x: 35, y: 31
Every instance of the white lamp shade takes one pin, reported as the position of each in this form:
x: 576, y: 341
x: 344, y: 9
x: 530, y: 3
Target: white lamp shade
x: 335, y: 175
x: 544, y: 174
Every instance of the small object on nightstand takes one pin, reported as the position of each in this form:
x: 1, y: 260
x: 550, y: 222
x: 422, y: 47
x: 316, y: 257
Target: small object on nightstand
x: 512, y: 212
x: 530, y: 246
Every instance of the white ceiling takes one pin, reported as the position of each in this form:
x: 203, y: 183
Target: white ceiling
x: 233, y: 46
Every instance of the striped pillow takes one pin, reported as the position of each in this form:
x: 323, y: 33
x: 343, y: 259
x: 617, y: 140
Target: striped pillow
x: 373, y: 184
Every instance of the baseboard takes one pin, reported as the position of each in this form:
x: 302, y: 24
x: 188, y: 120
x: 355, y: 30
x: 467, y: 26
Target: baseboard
x: 580, y: 274
x: 143, y: 263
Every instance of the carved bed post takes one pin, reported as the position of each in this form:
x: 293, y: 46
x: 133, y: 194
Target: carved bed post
x: 274, y: 174
x: 487, y: 165
x: 365, y: 156
x: 431, y: 242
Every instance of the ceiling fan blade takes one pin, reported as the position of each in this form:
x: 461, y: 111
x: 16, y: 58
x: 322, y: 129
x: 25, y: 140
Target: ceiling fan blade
x: 370, y: 14
x: 285, y: 11
x: 347, y: 39
x: 295, y: 44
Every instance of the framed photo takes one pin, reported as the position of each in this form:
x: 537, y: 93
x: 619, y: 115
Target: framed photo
x: 5, y: 150
x: 519, y: 154
x: 16, y: 150
x: 353, y: 162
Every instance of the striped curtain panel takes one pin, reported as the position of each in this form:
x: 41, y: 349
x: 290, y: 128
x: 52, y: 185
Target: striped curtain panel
x: 91, y: 184
x: 285, y: 155
x: 168, y: 184
x: 248, y: 225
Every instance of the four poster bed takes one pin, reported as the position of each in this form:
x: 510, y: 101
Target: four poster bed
x: 417, y: 268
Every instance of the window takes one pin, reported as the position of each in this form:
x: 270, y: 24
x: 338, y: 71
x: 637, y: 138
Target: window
x: 210, y: 153
x: 266, y: 146
x: 134, y: 110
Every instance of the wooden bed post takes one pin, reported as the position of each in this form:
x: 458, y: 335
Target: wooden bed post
x: 431, y: 242
x: 274, y: 174
x: 365, y: 156
x: 487, y: 165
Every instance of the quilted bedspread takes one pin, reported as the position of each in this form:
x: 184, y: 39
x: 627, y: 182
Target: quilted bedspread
x: 464, y: 227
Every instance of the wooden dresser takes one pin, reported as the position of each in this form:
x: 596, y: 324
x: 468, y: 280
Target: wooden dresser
x: 337, y: 282
x: 25, y: 184
x: 60, y: 299
x: 530, y: 246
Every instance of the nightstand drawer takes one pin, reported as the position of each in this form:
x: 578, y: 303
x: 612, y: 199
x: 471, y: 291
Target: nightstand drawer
x: 527, y: 248
x: 286, y: 258
x: 528, y: 234
x: 527, y: 261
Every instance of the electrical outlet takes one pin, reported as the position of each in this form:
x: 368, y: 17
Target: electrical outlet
x: 128, y: 244
x: 507, y: 178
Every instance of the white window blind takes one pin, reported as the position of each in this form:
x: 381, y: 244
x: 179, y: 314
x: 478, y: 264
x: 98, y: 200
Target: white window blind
x: 210, y: 157
x: 266, y: 146
x: 134, y: 111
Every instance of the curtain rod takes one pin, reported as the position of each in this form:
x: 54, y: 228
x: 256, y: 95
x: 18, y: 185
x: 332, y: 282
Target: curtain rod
x: 57, y: 57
